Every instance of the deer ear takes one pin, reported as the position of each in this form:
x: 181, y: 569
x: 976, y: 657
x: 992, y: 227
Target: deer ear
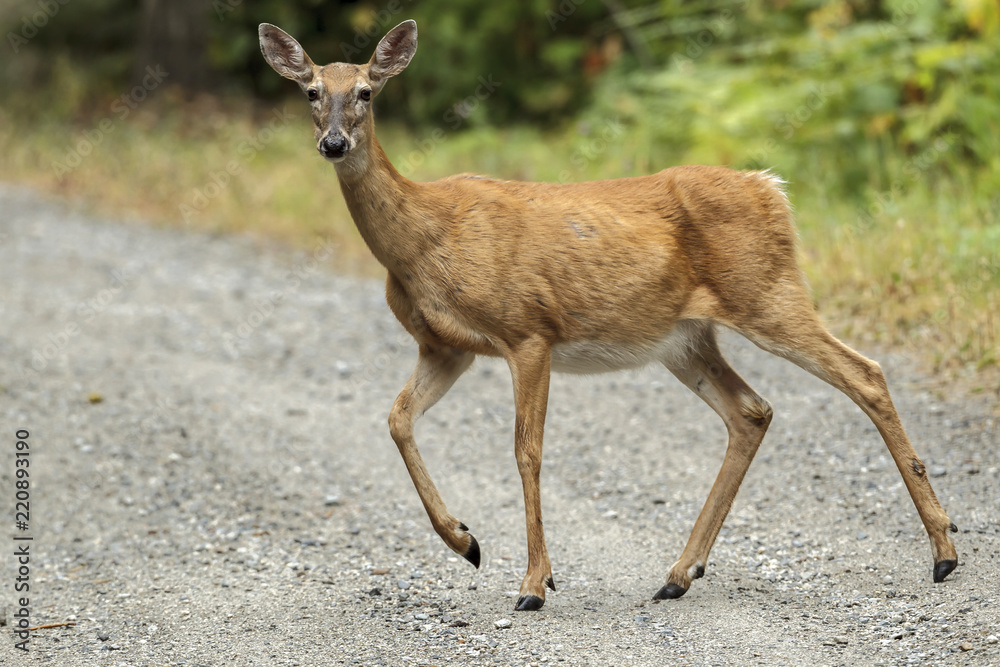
x: 284, y: 54
x: 393, y: 53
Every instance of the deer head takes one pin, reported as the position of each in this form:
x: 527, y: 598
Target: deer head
x: 340, y: 94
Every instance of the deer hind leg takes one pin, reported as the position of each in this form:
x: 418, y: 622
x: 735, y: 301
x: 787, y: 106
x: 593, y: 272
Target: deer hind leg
x: 530, y: 367
x: 436, y: 371
x: 746, y: 415
x: 800, y: 337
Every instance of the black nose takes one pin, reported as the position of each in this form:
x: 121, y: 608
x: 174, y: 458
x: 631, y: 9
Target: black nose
x: 333, y: 145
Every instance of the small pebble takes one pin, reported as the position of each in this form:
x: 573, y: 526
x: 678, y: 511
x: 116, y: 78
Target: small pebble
x: 103, y: 636
x: 992, y: 639
x: 503, y: 624
x: 862, y: 536
x: 965, y: 646
x: 403, y: 584
x: 937, y: 471
x: 887, y: 579
x: 332, y: 501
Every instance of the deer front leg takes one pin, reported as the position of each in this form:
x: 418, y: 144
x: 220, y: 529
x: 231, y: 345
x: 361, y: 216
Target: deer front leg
x: 436, y: 371
x: 529, y: 367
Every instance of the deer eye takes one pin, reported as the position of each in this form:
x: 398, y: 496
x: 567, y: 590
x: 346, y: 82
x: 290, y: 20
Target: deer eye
x: 312, y: 94
x: 365, y: 94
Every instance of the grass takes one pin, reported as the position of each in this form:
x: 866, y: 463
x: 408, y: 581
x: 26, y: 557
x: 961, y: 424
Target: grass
x: 919, y: 267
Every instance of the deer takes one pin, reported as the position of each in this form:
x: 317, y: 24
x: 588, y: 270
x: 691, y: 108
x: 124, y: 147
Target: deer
x: 586, y: 277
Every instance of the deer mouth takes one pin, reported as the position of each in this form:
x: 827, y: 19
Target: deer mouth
x: 333, y: 155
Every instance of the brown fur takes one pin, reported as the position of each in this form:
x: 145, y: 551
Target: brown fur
x: 585, y: 276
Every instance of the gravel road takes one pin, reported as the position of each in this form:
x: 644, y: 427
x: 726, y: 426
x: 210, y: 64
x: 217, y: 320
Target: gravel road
x: 213, y: 482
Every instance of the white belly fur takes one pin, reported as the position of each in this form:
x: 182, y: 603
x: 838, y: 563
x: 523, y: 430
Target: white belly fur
x: 604, y: 357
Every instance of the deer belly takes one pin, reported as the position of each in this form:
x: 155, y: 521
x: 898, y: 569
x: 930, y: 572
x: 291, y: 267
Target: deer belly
x: 587, y: 356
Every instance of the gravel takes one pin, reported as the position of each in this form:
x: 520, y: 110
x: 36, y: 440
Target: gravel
x: 213, y: 482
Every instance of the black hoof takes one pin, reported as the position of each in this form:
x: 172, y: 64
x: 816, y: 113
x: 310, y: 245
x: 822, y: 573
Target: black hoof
x: 551, y: 584
x: 942, y: 569
x: 529, y: 603
x: 472, y: 553
x: 670, y: 592
x: 953, y: 527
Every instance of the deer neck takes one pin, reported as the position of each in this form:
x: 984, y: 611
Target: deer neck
x: 382, y: 202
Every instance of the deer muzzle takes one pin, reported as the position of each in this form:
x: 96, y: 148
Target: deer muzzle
x: 334, y: 146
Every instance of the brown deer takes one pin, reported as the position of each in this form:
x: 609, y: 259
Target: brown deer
x: 584, y: 278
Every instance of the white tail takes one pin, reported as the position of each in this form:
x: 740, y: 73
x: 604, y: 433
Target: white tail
x: 585, y: 277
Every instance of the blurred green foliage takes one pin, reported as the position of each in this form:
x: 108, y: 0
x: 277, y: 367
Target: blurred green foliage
x: 888, y: 93
x: 886, y: 90
x: 536, y: 69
